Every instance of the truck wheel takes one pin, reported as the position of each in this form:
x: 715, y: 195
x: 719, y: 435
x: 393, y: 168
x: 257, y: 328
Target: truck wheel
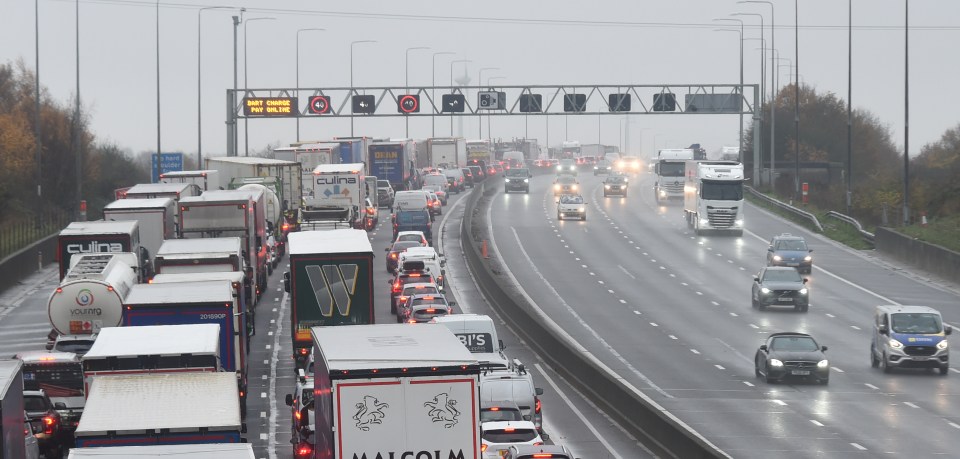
x: 505, y: 190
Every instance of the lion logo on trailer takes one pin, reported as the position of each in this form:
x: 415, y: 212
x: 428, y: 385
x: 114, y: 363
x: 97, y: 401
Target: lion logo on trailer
x: 443, y: 409
x: 369, y: 411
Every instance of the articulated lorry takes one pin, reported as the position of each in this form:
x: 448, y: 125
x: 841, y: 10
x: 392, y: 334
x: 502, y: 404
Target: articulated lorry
x: 337, y: 197
x: 199, y: 302
x: 161, y: 409
x: 102, y: 237
x: 175, y: 191
x: 353, y: 149
x: 207, y: 179
x: 235, y: 213
x: 280, y: 176
x: 394, y: 161
x: 669, y: 170
x: 11, y: 409
x: 90, y: 296
x: 330, y: 282
x: 713, y: 196
x: 444, y: 152
x: 199, y: 451
x: 394, y: 390
x: 157, y: 219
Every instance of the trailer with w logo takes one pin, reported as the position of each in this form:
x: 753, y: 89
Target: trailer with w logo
x: 330, y: 283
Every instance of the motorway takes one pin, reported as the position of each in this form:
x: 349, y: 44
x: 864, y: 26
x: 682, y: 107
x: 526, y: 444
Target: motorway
x: 670, y: 312
x: 568, y: 418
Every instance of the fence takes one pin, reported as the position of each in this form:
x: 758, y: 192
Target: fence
x: 20, y: 233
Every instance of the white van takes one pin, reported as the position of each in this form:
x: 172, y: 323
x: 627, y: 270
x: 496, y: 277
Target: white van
x: 432, y: 262
x: 478, y: 333
x: 410, y: 200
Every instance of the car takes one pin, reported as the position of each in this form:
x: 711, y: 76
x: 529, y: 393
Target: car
x: 441, y: 194
x: 467, y: 177
x: 566, y: 184
x: 567, y: 166
x: 909, y: 337
x: 627, y: 164
x: 781, y: 286
x: 433, y: 203
x: 385, y: 193
x: 602, y: 167
x: 791, y: 355
x: 497, y: 436
x: 302, y: 409
x: 498, y: 168
x: 31, y: 446
x: 413, y: 220
x: 424, y: 259
x: 456, y: 180
x: 538, y: 452
x: 517, y: 179
x: 615, y: 185
x: 423, y: 307
x: 409, y: 290
x: 52, y: 439
x: 789, y: 250
x: 436, y: 179
x: 571, y: 205
x: 412, y: 236
x: 403, y: 278
x: 499, y: 410
x: 478, y: 173
x: 393, y: 253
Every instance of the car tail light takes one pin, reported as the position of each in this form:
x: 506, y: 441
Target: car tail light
x: 542, y: 455
x: 483, y: 448
x: 297, y: 415
x: 431, y: 310
x: 538, y: 406
x: 304, y: 450
x: 304, y: 351
x: 412, y: 321
x: 393, y: 255
x: 537, y: 443
x: 508, y: 429
x: 49, y: 423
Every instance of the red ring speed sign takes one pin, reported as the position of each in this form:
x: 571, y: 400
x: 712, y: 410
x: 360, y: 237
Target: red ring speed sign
x: 409, y: 103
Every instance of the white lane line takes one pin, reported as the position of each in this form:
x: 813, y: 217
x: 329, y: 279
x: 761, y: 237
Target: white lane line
x: 733, y: 314
x: 830, y: 315
x: 779, y: 402
x: 857, y: 445
x: 637, y: 312
x: 715, y: 303
x: 273, y: 378
x: 871, y: 386
x: 600, y: 281
x: 626, y: 272
x: 954, y: 370
x: 569, y: 309
x: 268, y: 346
x: 854, y: 327
x: 623, y: 301
x: 263, y: 414
x: 911, y: 405
x: 837, y: 369
x: 576, y: 411
x: 816, y: 423
x: 654, y: 324
x: 954, y: 425
x: 700, y: 293
x: 610, y: 291
x: 270, y: 333
x: 684, y: 284
x: 695, y: 351
x: 263, y: 395
x: 274, y: 310
x: 672, y: 337
x: 748, y: 383
x: 720, y: 367
x: 754, y: 326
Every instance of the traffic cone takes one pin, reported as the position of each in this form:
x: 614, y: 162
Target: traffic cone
x: 923, y: 219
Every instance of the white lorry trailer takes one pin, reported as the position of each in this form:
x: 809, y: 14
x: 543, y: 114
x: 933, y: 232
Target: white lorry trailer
x: 713, y: 196
x: 157, y: 219
x: 102, y: 237
x: 11, y: 409
x: 446, y: 152
x: 669, y: 170
x: 162, y: 190
x: 206, y: 179
x: 337, y: 196
x: 91, y: 295
x: 394, y: 390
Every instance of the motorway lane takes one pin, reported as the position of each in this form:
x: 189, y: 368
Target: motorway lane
x: 706, y: 339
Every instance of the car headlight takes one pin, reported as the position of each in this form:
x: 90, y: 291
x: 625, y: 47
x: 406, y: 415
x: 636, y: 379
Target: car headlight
x: 808, y: 258
x: 573, y: 187
x: 823, y: 364
x: 663, y: 193
x: 942, y: 345
x: 556, y: 187
x: 607, y: 187
x: 777, y: 258
x: 776, y: 363
x: 559, y: 168
x: 526, y: 180
x: 895, y: 344
x: 803, y: 291
x: 764, y: 290
x: 595, y: 167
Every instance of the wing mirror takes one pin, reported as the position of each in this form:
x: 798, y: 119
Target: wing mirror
x: 811, y: 250
x: 286, y: 281
x: 763, y: 347
x: 539, y: 391
x: 947, y: 329
x: 386, y: 249
x: 883, y: 329
x: 823, y: 348
x: 288, y: 400
x: 756, y: 278
x: 502, y: 346
x: 770, y: 248
x: 60, y: 406
x: 805, y: 280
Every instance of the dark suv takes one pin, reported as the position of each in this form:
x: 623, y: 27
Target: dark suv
x: 782, y: 286
x: 40, y: 409
x: 413, y: 220
x: 517, y: 180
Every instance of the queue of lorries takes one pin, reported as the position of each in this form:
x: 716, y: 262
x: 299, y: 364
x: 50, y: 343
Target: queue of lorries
x: 160, y: 297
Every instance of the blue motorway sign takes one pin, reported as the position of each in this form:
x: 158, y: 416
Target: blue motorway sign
x: 169, y: 162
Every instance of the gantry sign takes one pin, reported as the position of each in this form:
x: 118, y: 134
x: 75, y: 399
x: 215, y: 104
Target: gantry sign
x: 567, y: 100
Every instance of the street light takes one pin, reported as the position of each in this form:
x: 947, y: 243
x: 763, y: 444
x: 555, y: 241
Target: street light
x: 740, y: 89
x: 406, y: 81
x: 773, y: 44
x: 451, y: 84
x: 36, y: 107
x: 433, y: 83
x: 796, y: 97
x: 199, y: 88
x: 906, y: 112
x: 489, y: 132
x: 246, y: 134
x: 232, y: 131
x: 480, y: 83
x: 763, y: 46
x: 352, y: 91
x: 298, y: 73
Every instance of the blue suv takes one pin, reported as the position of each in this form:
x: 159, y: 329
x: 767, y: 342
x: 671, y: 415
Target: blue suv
x: 789, y: 250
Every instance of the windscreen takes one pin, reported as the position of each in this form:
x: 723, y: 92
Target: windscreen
x: 438, y: 180
x: 517, y: 173
x: 412, y: 218
x: 794, y: 343
x: 782, y: 275
x: 721, y: 191
x: 500, y: 414
x: 796, y: 245
x: 920, y: 323
x: 435, y: 301
x: 56, y: 379
x: 671, y: 169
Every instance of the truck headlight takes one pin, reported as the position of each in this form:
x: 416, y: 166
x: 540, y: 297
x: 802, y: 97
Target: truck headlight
x: 573, y: 187
x: 559, y: 168
x: 738, y: 222
x: 764, y: 290
x: 663, y: 193
x: 942, y: 345
x: 808, y: 258
x: 894, y: 344
x: 803, y: 291
x: 556, y: 187
x: 704, y: 222
x: 606, y: 187
x: 776, y: 363
x: 823, y: 364
x: 777, y: 258
x: 583, y: 209
x: 595, y: 167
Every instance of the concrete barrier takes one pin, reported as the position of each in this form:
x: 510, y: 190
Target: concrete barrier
x: 935, y: 259
x: 27, y: 261
x: 662, y: 432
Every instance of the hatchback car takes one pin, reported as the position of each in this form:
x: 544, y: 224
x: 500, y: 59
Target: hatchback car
x: 435, y: 189
x: 496, y: 437
x: 615, y: 185
x: 780, y: 286
x: 566, y: 184
x: 571, y: 205
x: 393, y: 253
x: 421, y: 308
x: 789, y: 250
x: 434, y: 204
x: 52, y: 439
x: 403, y: 278
x: 477, y: 173
x: 538, y: 452
x: 567, y: 167
x: 603, y: 167
x: 412, y: 236
x: 384, y: 193
x: 467, y: 177
x: 791, y: 356
x: 409, y: 290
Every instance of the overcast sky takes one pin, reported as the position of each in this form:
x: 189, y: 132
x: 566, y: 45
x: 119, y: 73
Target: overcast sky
x: 657, y: 42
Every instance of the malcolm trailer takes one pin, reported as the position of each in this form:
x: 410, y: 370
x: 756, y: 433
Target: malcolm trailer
x: 394, y: 390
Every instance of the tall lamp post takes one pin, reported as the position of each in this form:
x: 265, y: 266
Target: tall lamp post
x: 353, y: 91
x: 406, y: 81
x: 232, y: 121
x: 246, y: 134
x: 489, y: 132
x: 740, y: 89
x: 796, y: 98
x: 773, y: 112
x: 906, y: 112
x: 433, y: 82
x: 849, y: 106
x: 199, y: 88
x: 313, y: 29
x: 479, y: 116
x: 451, y: 83
x: 36, y: 106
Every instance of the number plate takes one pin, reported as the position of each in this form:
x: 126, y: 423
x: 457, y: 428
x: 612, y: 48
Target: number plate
x: 784, y: 299
x: 800, y: 372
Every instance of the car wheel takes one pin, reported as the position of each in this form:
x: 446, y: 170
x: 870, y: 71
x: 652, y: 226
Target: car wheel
x: 753, y: 302
x: 761, y: 306
x: 884, y: 364
x: 756, y: 370
x: 624, y: 194
x: 944, y: 371
x: 825, y: 381
x: 769, y: 379
x: 805, y: 308
x: 583, y: 218
x: 874, y: 361
x: 505, y: 190
x: 559, y: 217
x: 393, y: 309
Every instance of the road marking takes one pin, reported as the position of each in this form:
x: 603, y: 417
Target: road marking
x: 955, y: 370
x: 273, y: 321
x: 263, y: 436
x: 816, y: 423
x: 593, y: 274
x: 871, y: 386
x: 268, y: 346
x: 270, y: 333
x: 715, y: 303
x: 673, y: 275
x: 954, y: 425
x: 611, y: 291
x: 274, y: 310
x: 273, y: 379
x: 830, y: 315
x: 911, y: 405
x: 779, y: 402
x: 734, y: 314
x: 626, y: 272
x: 695, y: 351
x: 266, y: 362
x: 720, y: 367
x: 700, y: 293
x: 683, y: 284
x: 576, y: 411
x: 600, y: 281
x: 837, y: 369
x: 672, y: 337
x: 854, y: 327
x: 754, y: 326
x: 748, y: 383
x: 856, y: 445
x: 654, y: 324
x: 263, y: 395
